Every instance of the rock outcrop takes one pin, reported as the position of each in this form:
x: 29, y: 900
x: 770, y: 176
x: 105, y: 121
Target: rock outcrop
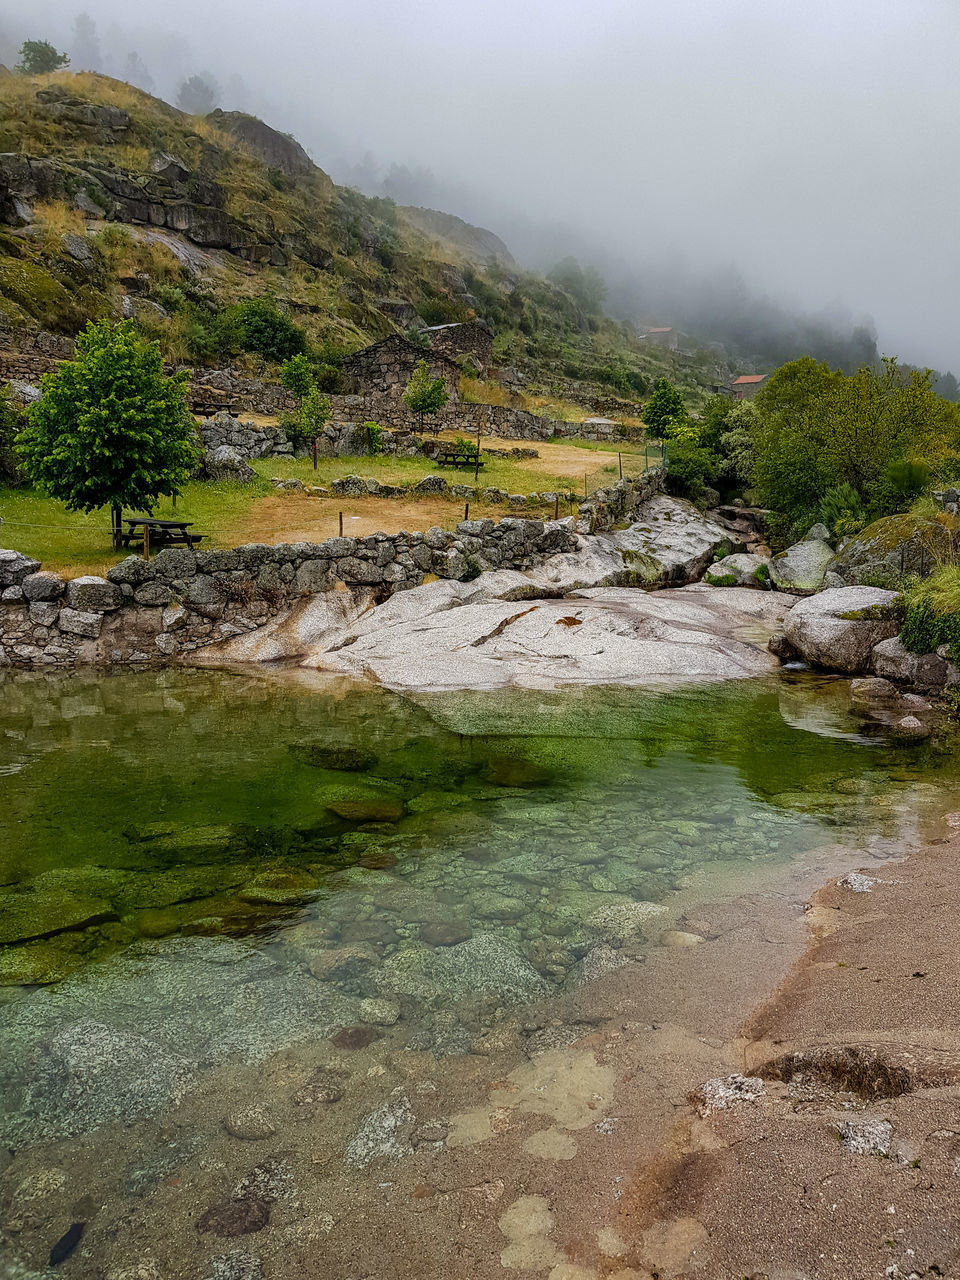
x: 499, y: 631
x: 839, y: 628
x: 895, y: 548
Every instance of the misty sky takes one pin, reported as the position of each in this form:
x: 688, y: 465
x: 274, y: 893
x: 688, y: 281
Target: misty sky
x: 810, y: 144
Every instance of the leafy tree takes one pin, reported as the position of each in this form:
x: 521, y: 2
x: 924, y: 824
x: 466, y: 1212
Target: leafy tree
x: 110, y: 428
x: 664, y: 410
x: 39, y: 57
x: 198, y: 95
x: 260, y: 326
x: 690, y: 469
x: 817, y: 429
x: 313, y: 412
x: 424, y: 394
x: 297, y: 375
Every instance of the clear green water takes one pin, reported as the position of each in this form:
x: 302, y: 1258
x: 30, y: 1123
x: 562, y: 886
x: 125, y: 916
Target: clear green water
x: 190, y: 803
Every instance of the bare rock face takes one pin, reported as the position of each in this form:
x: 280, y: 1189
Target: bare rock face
x: 276, y: 149
x: 802, y: 568
x: 838, y: 629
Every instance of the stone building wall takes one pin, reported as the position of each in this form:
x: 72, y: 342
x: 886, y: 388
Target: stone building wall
x: 386, y: 367
x: 460, y: 341
x: 182, y: 600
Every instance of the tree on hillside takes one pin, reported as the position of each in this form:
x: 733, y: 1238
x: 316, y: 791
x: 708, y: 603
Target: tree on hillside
x: 85, y: 47
x: 110, y: 428
x: 135, y: 72
x: 424, y: 394
x: 39, y: 57
x: 664, y: 410
x: 584, y: 284
x: 198, y: 95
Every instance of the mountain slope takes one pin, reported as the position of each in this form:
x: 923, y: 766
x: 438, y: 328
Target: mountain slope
x: 112, y: 202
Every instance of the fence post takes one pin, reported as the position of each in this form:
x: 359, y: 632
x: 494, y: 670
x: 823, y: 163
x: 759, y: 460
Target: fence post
x: 556, y: 506
x: 466, y: 511
x: 584, y: 484
x: 620, y: 464
x: 146, y: 542
x: 314, y: 453
x: 341, y: 524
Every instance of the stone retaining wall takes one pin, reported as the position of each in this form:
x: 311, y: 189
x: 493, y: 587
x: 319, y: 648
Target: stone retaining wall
x: 182, y: 600
x: 605, y: 509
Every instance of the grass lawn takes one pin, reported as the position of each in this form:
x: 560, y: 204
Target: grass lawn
x: 72, y: 543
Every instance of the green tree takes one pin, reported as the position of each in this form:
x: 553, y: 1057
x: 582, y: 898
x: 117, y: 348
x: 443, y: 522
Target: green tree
x: 313, y: 411
x: 39, y: 57
x: 817, y: 429
x: 664, y: 411
x: 297, y: 375
x: 424, y: 394
x: 110, y: 428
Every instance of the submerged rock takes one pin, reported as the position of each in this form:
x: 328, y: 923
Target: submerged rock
x: 383, y: 1135
x: 485, y: 964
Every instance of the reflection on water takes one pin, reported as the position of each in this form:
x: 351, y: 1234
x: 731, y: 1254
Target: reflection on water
x: 144, y: 806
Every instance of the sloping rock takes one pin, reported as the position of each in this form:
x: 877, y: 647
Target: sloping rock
x: 839, y: 628
x: 893, y: 548
x: 669, y: 543
x: 426, y: 639
x: 802, y: 568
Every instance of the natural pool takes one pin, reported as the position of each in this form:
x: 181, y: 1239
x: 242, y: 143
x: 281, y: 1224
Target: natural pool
x: 200, y: 871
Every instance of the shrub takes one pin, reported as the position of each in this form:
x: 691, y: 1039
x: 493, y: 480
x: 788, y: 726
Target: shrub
x: 690, y: 469
x: 932, y: 613
x: 720, y: 579
x: 375, y: 436
x: 258, y: 325
x: 762, y: 573
x: 842, y: 510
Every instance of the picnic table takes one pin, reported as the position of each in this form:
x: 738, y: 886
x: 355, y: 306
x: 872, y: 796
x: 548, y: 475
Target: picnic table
x: 457, y: 456
x: 160, y: 532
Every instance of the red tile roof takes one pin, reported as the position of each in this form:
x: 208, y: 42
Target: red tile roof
x: 749, y: 377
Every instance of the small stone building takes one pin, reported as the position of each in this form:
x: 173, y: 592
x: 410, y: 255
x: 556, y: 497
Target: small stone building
x: 388, y: 366
x: 747, y: 386
x: 468, y: 340
x: 662, y: 337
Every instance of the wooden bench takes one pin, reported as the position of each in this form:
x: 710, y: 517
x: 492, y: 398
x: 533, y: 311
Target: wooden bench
x: 164, y: 533
x: 452, y: 456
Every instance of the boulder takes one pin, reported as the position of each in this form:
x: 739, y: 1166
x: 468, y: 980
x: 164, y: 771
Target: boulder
x: 43, y: 585
x: 839, y: 628
x: 431, y: 486
x: 928, y: 671
x: 14, y: 567
x: 801, y: 569
x: 893, y: 548
x: 93, y: 595
x: 227, y: 463
x: 738, y: 571
x: 818, y: 533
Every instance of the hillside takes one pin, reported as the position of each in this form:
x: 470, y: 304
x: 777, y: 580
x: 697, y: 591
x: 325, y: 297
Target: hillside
x: 112, y: 202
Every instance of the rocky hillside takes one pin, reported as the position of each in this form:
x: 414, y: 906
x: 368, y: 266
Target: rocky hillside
x: 113, y: 202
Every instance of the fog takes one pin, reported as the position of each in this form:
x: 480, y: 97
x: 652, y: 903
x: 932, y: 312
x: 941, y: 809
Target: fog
x: 801, y: 154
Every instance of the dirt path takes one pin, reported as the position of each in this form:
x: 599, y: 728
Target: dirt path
x: 846, y: 1166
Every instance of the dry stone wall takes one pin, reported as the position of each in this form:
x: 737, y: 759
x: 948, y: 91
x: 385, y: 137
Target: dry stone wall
x: 182, y: 600
x: 618, y: 504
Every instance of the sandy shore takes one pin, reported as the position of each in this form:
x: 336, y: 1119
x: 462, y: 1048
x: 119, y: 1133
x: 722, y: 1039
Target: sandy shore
x: 847, y: 1165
